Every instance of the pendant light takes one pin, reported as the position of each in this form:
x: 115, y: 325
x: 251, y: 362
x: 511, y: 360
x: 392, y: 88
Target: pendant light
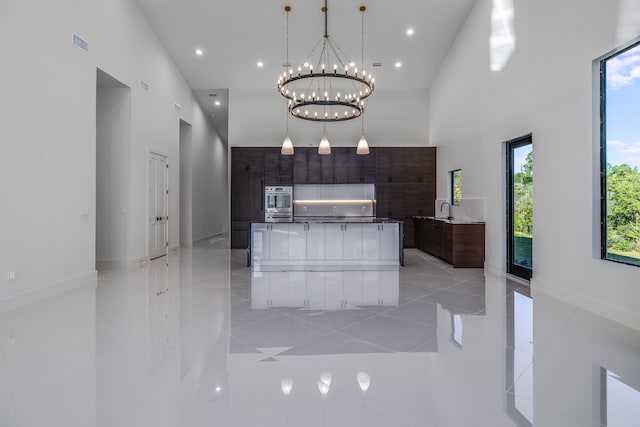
x: 287, y: 145
x: 363, y: 147
x: 324, y: 147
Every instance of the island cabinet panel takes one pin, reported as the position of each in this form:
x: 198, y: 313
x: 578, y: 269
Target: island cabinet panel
x: 353, y: 245
x: 315, y: 241
x: 371, y: 241
x: 352, y: 241
x: 334, y: 242
x: 297, y: 241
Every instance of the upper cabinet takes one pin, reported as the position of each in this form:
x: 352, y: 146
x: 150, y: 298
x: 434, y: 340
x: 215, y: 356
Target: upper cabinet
x: 406, y: 165
x: 278, y: 169
x: 342, y: 166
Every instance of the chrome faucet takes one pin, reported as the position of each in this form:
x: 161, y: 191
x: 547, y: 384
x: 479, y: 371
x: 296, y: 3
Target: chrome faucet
x: 448, y: 210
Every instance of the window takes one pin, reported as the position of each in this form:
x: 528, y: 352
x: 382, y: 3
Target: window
x: 456, y: 186
x: 620, y: 155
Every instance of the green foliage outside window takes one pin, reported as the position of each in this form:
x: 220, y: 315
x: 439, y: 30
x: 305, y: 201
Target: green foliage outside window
x: 456, y: 186
x: 623, y: 210
x: 523, y: 193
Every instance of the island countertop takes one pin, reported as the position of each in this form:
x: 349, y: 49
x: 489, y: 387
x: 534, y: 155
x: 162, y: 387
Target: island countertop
x: 332, y: 220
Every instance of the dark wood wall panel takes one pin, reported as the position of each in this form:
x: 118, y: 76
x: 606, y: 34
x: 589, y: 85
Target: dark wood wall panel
x: 405, y: 179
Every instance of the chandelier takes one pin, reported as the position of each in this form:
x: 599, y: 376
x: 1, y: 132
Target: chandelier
x: 327, y: 88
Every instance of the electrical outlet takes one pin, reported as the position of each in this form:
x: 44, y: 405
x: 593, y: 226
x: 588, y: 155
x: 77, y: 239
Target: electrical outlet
x: 11, y: 275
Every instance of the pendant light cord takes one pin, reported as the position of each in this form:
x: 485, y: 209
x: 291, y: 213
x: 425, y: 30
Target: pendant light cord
x: 362, y: 9
x: 287, y: 9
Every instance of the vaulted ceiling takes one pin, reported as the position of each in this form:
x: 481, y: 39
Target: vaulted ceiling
x: 235, y: 35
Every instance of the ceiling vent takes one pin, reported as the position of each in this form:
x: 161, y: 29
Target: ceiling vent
x: 80, y: 43
x: 286, y: 65
x: 213, y: 94
x: 377, y: 65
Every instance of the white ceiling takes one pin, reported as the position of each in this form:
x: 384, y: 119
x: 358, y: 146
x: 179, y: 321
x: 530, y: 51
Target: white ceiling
x: 235, y: 35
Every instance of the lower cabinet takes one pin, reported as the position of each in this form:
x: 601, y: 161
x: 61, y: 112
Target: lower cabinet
x: 459, y: 244
x: 281, y: 244
x: 324, y: 290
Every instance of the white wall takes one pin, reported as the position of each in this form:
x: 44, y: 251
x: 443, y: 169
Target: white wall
x: 186, y: 183
x: 113, y: 145
x: 48, y: 122
x: 546, y: 89
x: 209, y: 179
x: 257, y: 117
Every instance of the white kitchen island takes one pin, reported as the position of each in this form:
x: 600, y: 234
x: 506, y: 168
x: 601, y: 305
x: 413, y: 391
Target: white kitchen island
x: 326, y: 244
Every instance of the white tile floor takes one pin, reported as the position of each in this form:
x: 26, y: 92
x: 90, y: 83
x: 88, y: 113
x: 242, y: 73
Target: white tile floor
x: 177, y: 343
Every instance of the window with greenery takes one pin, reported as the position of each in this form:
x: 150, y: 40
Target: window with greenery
x: 456, y: 187
x: 620, y: 155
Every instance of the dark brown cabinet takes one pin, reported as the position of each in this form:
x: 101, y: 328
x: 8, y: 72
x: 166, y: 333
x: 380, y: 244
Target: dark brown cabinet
x: 278, y: 169
x: 461, y: 245
x: 247, y: 191
x: 405, y: 179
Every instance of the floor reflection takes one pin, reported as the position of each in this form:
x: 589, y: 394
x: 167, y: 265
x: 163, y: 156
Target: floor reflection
x: 619, y: 399
x: 179, y: 342
x: 519, y: 368
x: 48, y: 361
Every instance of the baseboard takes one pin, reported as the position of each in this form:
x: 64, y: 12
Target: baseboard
x: 134, y: 263
x: 213, y: 236
x: 609, y: 311
x: 493, y: 269
x: 18, y: 299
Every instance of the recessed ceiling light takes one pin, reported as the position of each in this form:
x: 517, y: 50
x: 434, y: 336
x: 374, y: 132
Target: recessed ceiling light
x: 199, y: 52
x: 217, y: 103
x: 260, y: 64
x: 410, y: 32
x: 398, y: 64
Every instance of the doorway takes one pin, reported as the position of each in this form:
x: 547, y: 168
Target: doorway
x: 520, y: 207
x: 158, y: 205
x: 113, y: 148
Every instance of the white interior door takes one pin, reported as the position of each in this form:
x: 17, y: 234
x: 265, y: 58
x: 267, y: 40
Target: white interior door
x: 158, y: 205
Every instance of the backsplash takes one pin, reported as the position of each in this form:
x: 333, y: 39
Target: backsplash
x: 333, y: 200
x: 473, y: 209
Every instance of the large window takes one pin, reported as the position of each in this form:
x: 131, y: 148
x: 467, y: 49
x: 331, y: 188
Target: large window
x: 520, y: 207
x: 620, y: 155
